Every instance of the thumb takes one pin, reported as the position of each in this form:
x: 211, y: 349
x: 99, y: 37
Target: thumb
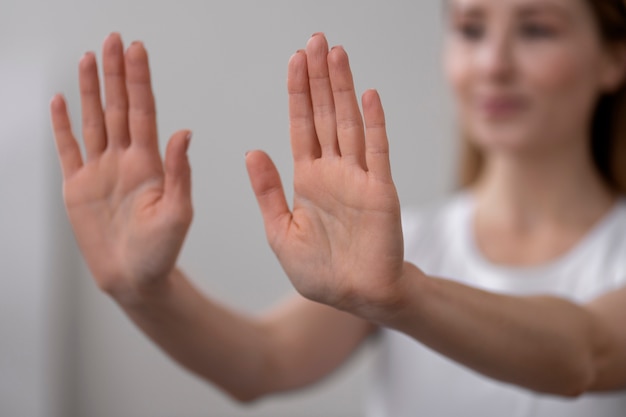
x: 269, y: 193
x: 178, y: 170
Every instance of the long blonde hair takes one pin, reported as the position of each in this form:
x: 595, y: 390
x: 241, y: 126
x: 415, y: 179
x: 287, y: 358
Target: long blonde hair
x: 608, y: 131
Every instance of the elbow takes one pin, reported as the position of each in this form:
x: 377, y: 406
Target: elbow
x: 578, y: 381
x: 568, y: 376
x: 245, y: 395
x: 244, y: 398
x: 573, y: 391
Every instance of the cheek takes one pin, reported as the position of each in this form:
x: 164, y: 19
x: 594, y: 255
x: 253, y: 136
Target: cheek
x: 556, y: 74
x: 562, y: 80
x: 457, y: 70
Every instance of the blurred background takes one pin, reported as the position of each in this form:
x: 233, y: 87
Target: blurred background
x: 219, y: 68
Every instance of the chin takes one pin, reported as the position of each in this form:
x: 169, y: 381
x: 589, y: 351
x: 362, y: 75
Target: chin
x: 505, y: 138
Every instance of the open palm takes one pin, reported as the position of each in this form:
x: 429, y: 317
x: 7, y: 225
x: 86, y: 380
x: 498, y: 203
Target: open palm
x: 342, y: 242
x: 130, y: 211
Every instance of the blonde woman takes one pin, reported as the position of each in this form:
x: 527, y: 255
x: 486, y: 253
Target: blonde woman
x: 509, y: 299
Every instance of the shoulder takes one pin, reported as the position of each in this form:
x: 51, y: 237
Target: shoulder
x: 611, y: 241
x: 610, y: 235
x: 617, y: 220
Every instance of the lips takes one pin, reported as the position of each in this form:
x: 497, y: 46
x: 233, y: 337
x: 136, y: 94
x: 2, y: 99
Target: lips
x: 501, y: 106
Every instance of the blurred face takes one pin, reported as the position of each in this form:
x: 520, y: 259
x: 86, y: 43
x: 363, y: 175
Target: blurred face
x: 526, y: 74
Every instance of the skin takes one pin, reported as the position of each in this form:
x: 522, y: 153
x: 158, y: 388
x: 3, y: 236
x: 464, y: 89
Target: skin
x: 341, y: 244
x: 547, y: 57
x: 130, y: 211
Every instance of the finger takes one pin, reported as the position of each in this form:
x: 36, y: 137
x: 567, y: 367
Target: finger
x: 178, y: 173
x: 321, y: 94
x: 376, y: 143
x: 304, y: 144
x: 142, y: 110
x: 269, y: 194
x: 350, y: 133
x: 94, y: 132
x: 116, y: 114
x: 67, y: 147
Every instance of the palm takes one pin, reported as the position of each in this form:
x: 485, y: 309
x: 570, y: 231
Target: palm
x: 114, y: 202
x: 128, y: 222
x: 354, y: 218
x: 343, y: 239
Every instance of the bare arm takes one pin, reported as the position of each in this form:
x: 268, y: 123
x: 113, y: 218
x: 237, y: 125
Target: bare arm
x: 294, y: 344
x: 543, y: 343
x: 341, y: 245
x: 130, y: 212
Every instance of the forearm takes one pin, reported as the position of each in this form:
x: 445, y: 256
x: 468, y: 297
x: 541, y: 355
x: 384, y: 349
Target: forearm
x: 229, y: 349
x: 541, y: 343
x: 294, y: 344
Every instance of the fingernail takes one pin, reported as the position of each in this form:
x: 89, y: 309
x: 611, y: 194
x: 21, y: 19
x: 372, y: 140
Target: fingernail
x: 247, y: 152
x: 317, y: 34
x: 87, y: 55
x: 114, y: 45
x: 188, y: 140
x: 57, y: 100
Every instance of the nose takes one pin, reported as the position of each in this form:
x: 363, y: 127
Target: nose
x: 495, y: 59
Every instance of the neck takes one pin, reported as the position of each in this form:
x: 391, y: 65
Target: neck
x: 523, y: 191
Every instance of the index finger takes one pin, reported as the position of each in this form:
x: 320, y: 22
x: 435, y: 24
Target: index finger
x: 304, y: 143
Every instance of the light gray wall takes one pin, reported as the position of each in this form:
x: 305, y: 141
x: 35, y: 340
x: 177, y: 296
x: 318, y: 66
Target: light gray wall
x: 219, y: 68
x: 22, y: 249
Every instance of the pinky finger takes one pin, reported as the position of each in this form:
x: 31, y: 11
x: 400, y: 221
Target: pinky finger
x: 67, y: 147
x: 376, y: 143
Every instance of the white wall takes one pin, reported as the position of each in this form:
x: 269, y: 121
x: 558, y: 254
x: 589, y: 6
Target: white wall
x: 219, y: 68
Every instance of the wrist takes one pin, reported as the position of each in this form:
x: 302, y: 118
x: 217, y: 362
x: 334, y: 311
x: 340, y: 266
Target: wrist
x: 390, y: 303
x: 145, y: 293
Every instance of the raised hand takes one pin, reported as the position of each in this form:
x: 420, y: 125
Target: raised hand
x: 342, y: 242
x: 130, y: 211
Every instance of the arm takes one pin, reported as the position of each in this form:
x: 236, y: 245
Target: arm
x: 294, y: 344
x: 543, y: 343
x: 341, y: 245
x: 130, y: 212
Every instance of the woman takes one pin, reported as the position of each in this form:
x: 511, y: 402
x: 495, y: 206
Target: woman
x: 533, y: 248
